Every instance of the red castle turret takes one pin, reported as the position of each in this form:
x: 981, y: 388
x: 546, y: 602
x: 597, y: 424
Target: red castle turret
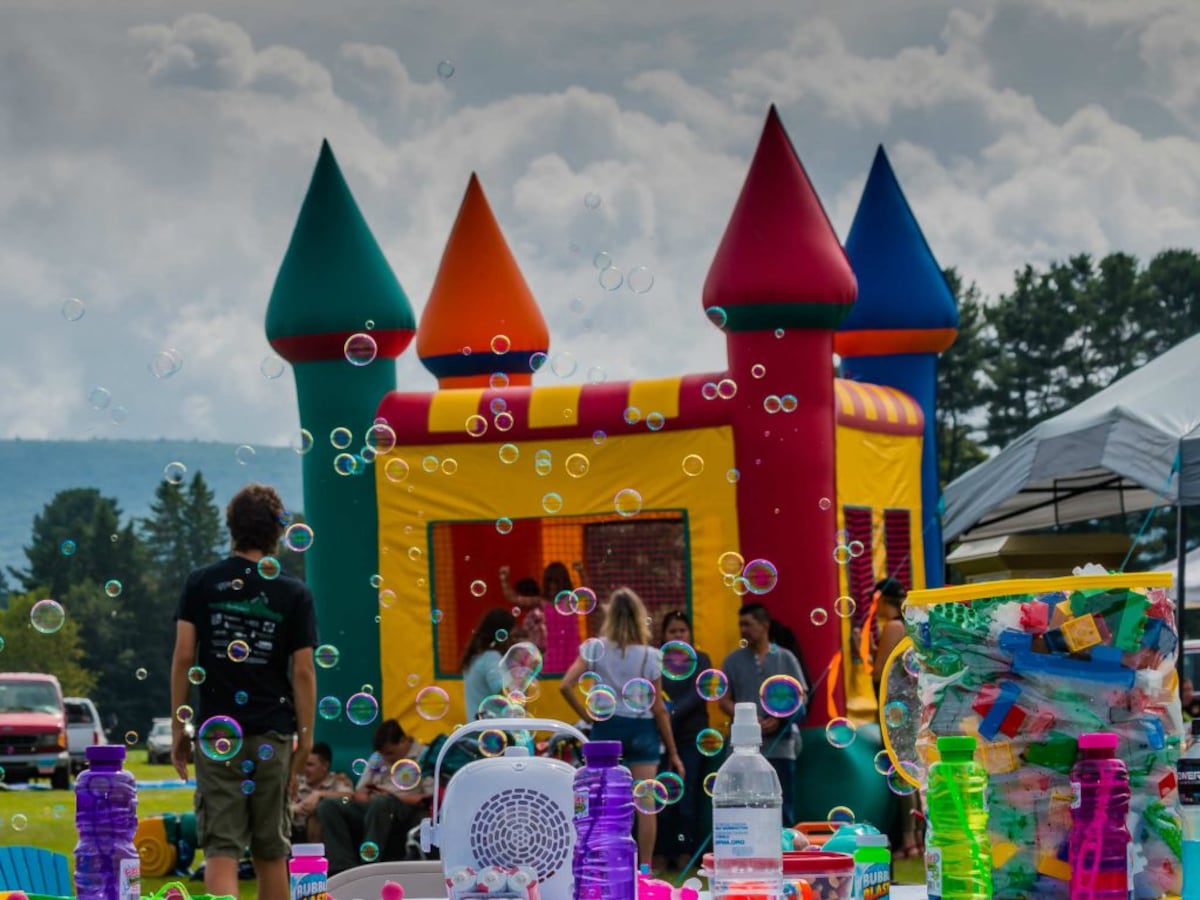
x: 779, y: 285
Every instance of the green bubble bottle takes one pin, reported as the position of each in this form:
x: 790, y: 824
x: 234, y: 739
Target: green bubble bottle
x: 958, y: 855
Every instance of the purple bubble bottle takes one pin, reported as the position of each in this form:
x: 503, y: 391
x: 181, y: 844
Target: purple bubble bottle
x: 605, y: 861
x: 106, y: 861
x: 1099, y: 844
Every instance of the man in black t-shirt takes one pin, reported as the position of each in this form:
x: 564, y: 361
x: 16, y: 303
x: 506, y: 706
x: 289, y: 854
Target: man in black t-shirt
x: 245, y: 634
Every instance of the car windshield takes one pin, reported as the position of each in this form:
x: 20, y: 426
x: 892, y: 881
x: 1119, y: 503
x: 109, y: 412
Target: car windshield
x: 28, y: 696
x: 160, y: 728
x: 77, y: 714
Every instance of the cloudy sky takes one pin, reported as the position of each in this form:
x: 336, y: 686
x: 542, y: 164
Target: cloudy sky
x: 153, y: 156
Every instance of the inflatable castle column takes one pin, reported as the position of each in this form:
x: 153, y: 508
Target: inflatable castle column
x: 905, y: 316
x: 779, y: 285
x: 333, y: 285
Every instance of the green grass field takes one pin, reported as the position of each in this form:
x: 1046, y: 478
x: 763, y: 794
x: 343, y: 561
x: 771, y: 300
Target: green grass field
x: 49, y: 821
x: 49, y: 818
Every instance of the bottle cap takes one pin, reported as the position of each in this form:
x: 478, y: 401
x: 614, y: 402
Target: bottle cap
x: 308, y: 849
x: 746, y: 732
x: 1100, y: 740
x: 105, y: 753
x: 956, y: 745
x: 872, y: 840
x: 602, y: 752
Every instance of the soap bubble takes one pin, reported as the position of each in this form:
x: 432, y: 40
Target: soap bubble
x: 219, y: 738
x: 247, y: 786
x: 727, y: 388
x: 47, y: 616
x: 327, y: 656
x: 771, y: 403
x: 298, y: 537
x: 788, y: 403
x: 711, y: 684
x: 73, y: 309
x: 100, y: 397
x: 329, y: 708
x: 655, y: 421
x: 592, y: 649
x: 269, y: 568
x: 639, y: 280
x: 174, y: 472
x: 131, y: 738
x: 241, y: 698
x: 585, y: 600
x: 432, y: 703
x: 781, y: 695
x: 113, y: 587
x: 911, y: 662
x: 501, y: 344
x: 244, y: 454
x: 381, y: 438
x: 406, y: 774
x: 445, y: 69
x: 476, y: 425
x: 564, y: 602
x: 238, y: 650
x: 819, y: 616
x: 840, y: 732
x: 265, y: 752
x: 733, y: 476
x: 577, y: 465
x: 478, y: 587
x: 709, y: 782
x: 341, y: 438
x: 825, y: 504
x: 882, y: 763
x: 627, y: 502
x: 693, y: 465
x: 166, y: 363
x: 564, y: 364
x: 610, y: 278
x: 183, y: 713
x: 730, y: 563
x: 844, y: 607
x: 368, y: 851
x: 302, y: 442
x: 552, y: 503
x: 710, y: 742
x: 717, y: 316
x: 504, y: 525
x: 492, y: 743
x: 840, y: 815
x: 591, y: 200
x: 758, y: 370
x: 649, y: 796
x: 271, y: 366
x: 761, y: 576
x: 196, y: 675
x: 898, y: 784
x: 360, y: 349
x: 588, y: 682
x: 19, y: 821
x: 678, y: 660
x: 362, y: 709
x: 895, y: 714
x: 638, y: 695
x: 601, y: 703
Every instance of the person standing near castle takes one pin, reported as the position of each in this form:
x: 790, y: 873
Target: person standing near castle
x: 243, y: 625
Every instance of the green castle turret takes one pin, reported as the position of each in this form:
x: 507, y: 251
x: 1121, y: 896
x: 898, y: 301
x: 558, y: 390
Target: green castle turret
x: 339, y: 315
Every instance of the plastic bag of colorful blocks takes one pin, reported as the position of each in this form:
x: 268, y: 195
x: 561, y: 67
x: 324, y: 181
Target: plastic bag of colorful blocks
x: 1027, y: 666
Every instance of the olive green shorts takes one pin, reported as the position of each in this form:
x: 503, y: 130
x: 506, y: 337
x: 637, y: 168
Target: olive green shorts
x: 243, y: 801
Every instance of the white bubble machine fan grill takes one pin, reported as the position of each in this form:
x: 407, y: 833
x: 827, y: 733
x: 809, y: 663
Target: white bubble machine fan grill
x: 511, y: 811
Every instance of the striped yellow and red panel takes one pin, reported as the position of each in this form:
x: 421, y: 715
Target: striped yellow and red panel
x: 869, y: 407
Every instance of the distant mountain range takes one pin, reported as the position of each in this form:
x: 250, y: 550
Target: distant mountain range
x: 32, y: 472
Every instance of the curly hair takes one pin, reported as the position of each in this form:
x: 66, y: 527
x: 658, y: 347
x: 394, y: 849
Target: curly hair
x: 255, y: 518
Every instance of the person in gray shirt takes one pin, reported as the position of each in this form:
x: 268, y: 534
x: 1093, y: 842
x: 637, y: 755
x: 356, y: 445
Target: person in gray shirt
x: 747, y: 668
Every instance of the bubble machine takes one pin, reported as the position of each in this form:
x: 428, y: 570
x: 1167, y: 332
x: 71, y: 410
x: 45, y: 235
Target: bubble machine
x: 505, y: 825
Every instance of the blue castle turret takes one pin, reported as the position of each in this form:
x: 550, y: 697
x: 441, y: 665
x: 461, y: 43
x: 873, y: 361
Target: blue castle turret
x: 905, y: 316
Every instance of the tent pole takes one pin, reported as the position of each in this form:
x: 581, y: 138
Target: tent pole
x: 1180, y: 582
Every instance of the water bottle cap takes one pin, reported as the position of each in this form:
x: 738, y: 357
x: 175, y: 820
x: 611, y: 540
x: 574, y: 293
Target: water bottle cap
x: 746, y: 732
x: 872, y: 840
x: 956, y: 745
x: 1100, y: 740
x: 105, y: 753
x: 601, y: 751
x: 308, y: 849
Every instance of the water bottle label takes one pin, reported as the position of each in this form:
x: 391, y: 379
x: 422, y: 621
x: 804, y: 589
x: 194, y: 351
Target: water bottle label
x: 933, y: 872
x: 1188, y: 775
x: 130, y: 878
x: 875, y: 882
x: 742, y: 833
x: 309, y: 886
x: 581, y: 804
x: 1076, y: 794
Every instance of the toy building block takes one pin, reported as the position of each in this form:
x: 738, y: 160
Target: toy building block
x: 1081, y: 633
x: 998, y: 706
x: 1104, y: 666
x: 998, y: 757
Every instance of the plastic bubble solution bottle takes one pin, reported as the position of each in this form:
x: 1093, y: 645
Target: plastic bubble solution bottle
x: 747, y: 821
x: 605, y: 860
x: 1099, y: 844
x: 958, y: 854
x: 106, y: 861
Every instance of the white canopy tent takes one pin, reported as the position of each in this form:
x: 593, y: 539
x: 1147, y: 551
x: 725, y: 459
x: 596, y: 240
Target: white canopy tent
x: 1133, y: 444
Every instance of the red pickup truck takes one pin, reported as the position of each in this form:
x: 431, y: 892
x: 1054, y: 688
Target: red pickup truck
x: 33, y: 729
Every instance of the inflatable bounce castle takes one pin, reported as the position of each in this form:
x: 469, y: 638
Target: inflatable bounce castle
x: 674, y: 486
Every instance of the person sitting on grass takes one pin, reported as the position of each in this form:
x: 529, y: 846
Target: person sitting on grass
x: 317, y: 782
x: 388, y: 798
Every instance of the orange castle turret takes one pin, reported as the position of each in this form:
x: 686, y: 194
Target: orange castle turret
x: 481, y: 325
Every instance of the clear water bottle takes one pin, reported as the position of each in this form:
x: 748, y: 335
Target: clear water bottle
x: 106, y: 860
x: 605, y: 861
x: 747, y: 816
x: 958, y: 853
x: 1099, y: 843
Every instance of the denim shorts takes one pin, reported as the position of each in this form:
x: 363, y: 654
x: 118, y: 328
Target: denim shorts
x: 638, y: 737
